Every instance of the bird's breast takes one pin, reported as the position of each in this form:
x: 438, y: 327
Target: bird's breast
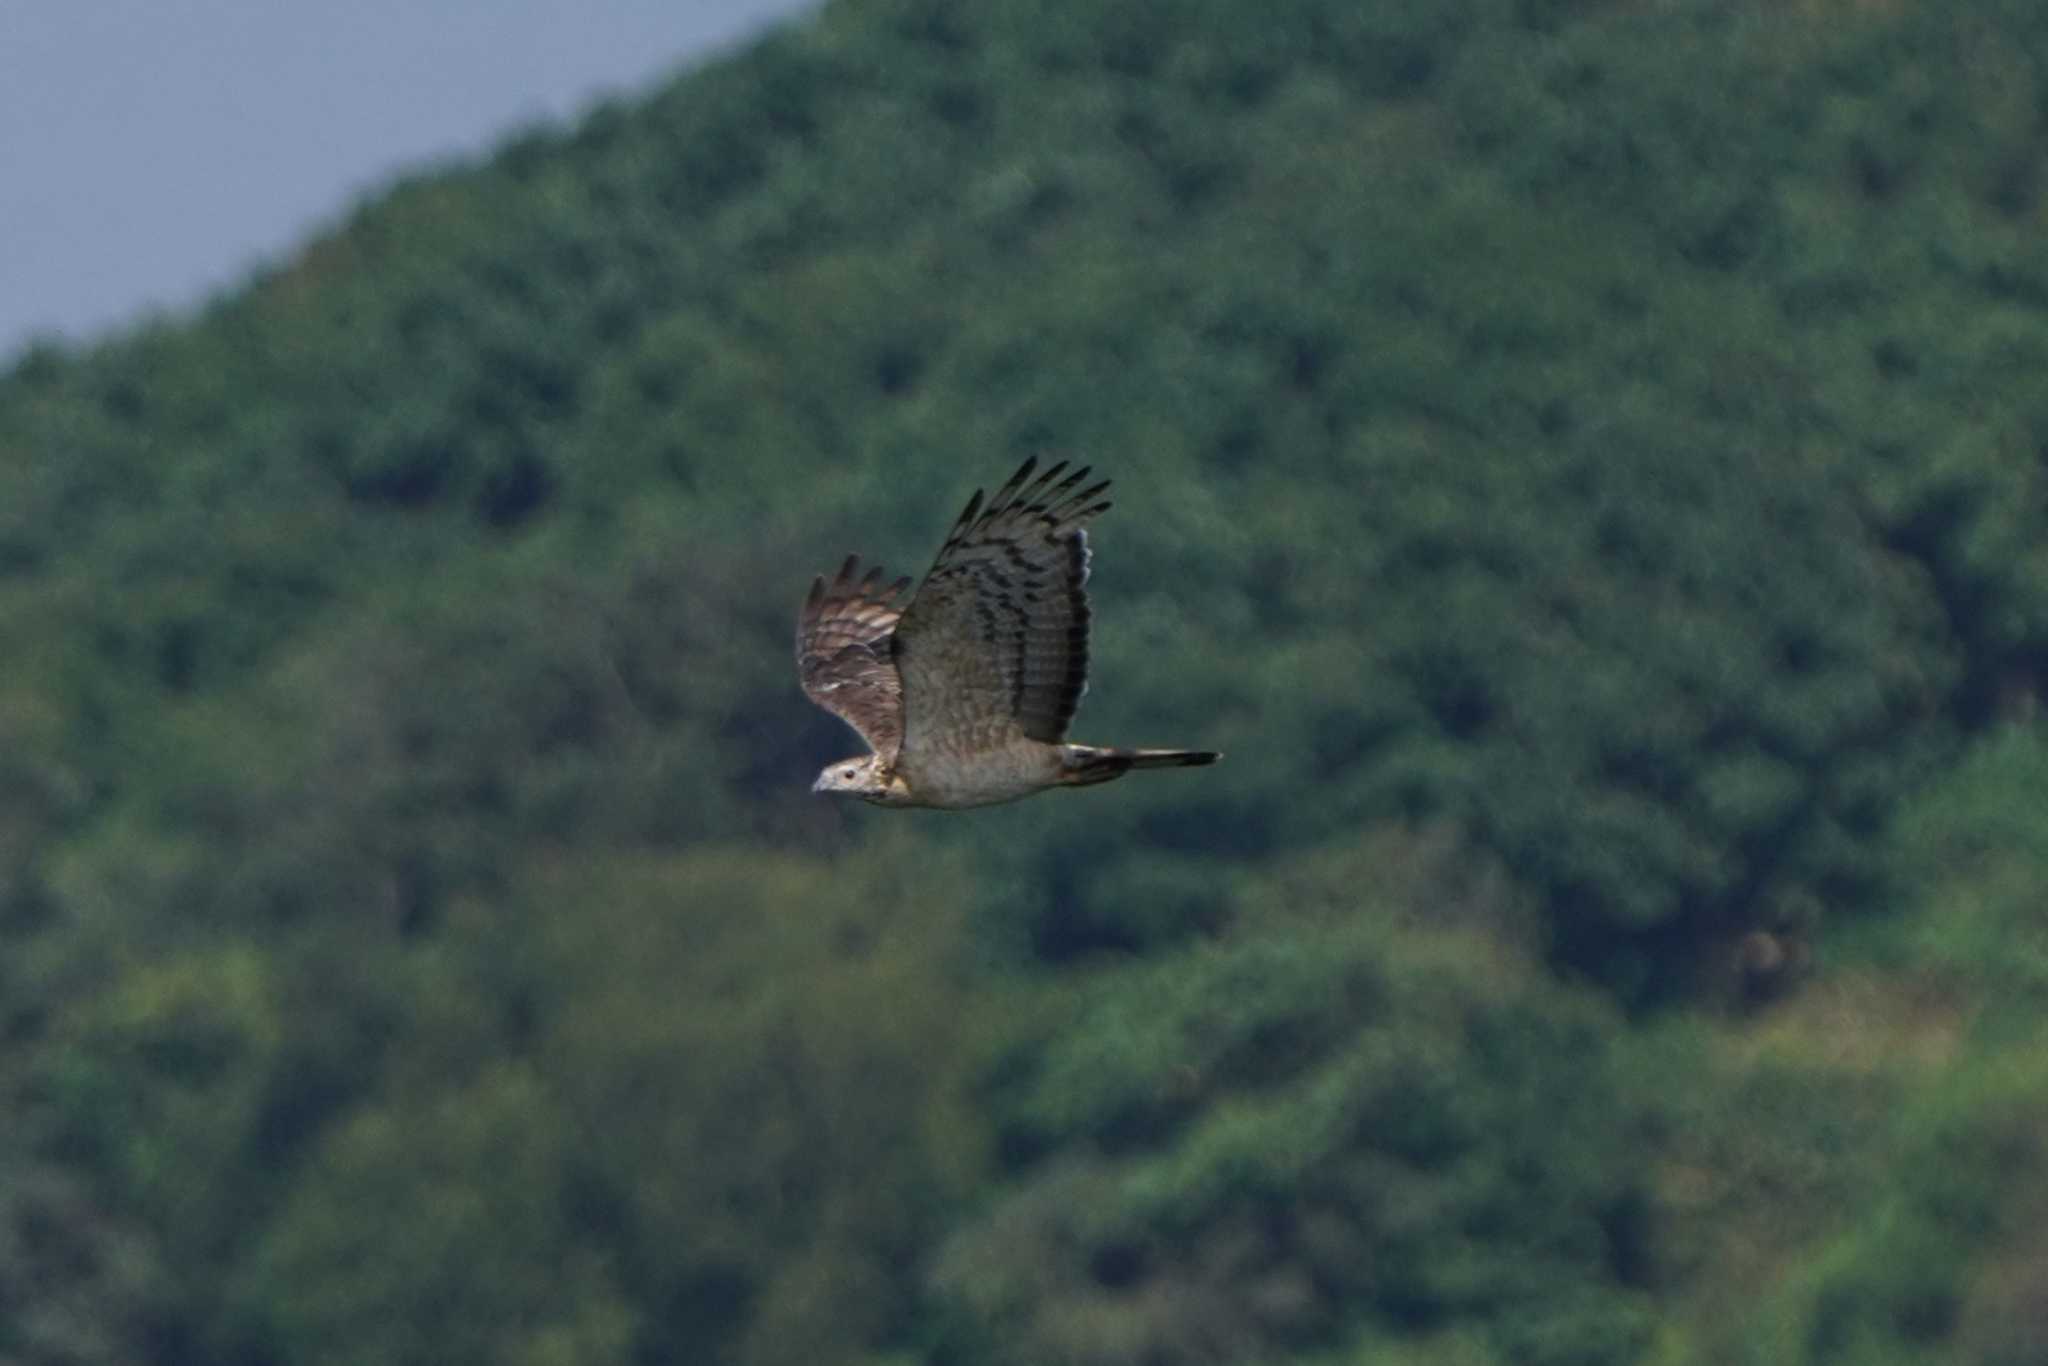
x: 981, y: 777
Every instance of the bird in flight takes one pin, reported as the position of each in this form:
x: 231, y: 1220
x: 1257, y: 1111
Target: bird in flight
x: 964, y: 691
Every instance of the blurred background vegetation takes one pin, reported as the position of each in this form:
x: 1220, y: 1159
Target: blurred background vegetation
x: 1585, y: 460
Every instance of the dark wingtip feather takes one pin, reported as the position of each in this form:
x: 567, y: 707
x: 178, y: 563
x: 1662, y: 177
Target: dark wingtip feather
x: 1048, y: 497
x: 973, y: 509
x: 1011, y: 488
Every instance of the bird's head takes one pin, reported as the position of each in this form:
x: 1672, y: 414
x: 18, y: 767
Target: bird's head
x: 865, y: 778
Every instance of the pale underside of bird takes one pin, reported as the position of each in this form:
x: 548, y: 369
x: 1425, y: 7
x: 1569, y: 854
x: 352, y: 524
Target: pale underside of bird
x: 964, y: 690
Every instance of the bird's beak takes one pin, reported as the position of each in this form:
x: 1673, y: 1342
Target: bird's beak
x: 819, y: 785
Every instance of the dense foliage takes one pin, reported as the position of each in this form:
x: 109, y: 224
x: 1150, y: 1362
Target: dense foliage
x: 1586, y: 462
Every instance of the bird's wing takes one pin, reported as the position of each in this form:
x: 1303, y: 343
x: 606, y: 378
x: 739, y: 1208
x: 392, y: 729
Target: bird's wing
x: 842, y: 653
x: 995, y: 641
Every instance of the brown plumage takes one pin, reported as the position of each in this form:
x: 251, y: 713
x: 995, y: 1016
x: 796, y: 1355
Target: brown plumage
x: 842, y: 653
x: 965, y: 693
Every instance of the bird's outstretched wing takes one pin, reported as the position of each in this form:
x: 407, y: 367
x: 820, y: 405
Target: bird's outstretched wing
x: 995, y: 641
x: 842, y: 653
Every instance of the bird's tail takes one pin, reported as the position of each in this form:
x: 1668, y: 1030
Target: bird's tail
x: 1085, y: 764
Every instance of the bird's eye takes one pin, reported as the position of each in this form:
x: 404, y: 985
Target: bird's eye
x: 847, y: 774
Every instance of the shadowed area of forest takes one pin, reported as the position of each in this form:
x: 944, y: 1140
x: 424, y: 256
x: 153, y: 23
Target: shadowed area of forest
x: 1585, y: 461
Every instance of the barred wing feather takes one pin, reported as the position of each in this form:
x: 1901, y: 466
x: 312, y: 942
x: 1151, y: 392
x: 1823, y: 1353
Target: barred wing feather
x: 994, y: 643
x: 842, y: 653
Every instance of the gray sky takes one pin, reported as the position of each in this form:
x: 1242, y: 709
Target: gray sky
x: 154, y: 151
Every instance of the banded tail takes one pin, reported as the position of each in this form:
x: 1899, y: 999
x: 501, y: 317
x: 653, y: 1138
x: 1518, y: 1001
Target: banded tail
x: 1082, y: 765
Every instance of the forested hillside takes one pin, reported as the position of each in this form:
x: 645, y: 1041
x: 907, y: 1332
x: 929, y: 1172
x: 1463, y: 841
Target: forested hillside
x: 1585, y: 462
